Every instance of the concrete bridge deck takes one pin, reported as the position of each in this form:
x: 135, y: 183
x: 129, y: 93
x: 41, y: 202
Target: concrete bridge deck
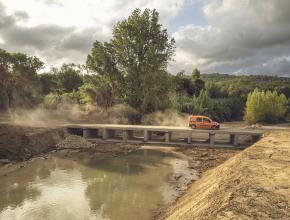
x: 163, y: 135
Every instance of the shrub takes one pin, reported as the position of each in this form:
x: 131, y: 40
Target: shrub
x: 265, y: 107
x: 223, y: 109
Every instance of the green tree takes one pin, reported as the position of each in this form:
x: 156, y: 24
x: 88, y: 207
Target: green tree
x: 265, y: 106
x: 5, y: 76
x: 195, y: 74
x: 68, y: 77
x: 48, y: 82
x: 18, y: 80
x: 135, y: 61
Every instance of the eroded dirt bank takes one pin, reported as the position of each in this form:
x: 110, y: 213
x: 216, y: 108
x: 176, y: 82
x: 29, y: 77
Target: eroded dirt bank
x: 21, y: 143
x: 254, y: 184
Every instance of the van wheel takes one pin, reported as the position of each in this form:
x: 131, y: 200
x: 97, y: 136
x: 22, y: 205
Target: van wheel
x: 193, y: 126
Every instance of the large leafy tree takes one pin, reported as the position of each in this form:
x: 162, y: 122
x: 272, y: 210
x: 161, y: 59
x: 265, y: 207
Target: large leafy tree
x: 68, y: 77
x: 135, y: 60
x: 18, y: 79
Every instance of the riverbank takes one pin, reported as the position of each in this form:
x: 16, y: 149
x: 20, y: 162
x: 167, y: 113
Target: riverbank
x: 253, y: 184
x: 19, y: 143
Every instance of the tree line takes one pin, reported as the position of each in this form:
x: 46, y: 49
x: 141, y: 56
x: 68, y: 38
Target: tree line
x: 131, y: 68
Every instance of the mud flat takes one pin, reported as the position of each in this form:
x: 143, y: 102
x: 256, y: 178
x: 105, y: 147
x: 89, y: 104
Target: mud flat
x: 254, y: 184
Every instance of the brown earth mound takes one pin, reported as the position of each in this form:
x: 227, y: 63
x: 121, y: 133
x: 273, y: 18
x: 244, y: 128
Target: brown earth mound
x: 254, y: 184
x: 20, y: 143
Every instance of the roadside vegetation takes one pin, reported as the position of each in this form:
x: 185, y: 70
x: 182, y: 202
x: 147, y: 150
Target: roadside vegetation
x: 265, y: 106
x: 131, y: 69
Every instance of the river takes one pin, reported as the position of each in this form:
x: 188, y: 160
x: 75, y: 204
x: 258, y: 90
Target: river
x: 125, y: 187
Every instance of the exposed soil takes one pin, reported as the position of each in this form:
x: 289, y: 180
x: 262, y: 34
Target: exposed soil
x: 203, y: 159
x: 20, y: 143
x: 254, y: 184
x: 200, y: 159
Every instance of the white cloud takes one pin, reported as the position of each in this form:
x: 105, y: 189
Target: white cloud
x: 87, y: 13
x: 240, y: 36
x: 246, y: 36
x: 63, y: 30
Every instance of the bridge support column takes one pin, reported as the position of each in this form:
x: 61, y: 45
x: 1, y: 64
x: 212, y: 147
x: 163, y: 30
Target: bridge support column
x: 90, y: 133
x: 147, y: 135
x: 189, y: 138
x: 105, y: 134
x: 211, y: 138
x: 168, y: 135
x: 234, y: 139
x: 108, y: 133
x: 127, y: 135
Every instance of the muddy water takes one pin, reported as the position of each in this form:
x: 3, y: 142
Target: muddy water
x: 125, y: 187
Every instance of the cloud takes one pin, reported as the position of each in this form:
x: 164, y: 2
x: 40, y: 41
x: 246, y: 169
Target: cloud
x: 21, y: 15
x: 62, y: 31
x: 241, y: 36
x: 246, y: 36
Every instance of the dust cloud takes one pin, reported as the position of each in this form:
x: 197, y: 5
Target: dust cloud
x: 169, y: 117
x: 43, y: 117
x: 117, y: 114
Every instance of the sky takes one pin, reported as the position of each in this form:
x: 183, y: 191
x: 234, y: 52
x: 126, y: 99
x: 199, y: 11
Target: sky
x: 225, y: 36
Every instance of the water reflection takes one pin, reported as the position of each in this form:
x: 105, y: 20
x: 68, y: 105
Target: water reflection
x: 127, y: 187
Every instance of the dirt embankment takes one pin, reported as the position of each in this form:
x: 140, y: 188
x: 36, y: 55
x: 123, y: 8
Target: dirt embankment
x: 21, y: 143
x: 254, y: 184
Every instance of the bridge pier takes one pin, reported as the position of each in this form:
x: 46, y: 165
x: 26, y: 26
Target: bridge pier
x: 168, y: 136
x: 147, y: 135
x: 211, y: 138
x: 234, y: 139
x: 189, y: 138
x: 108, y: 133
x: 127, y: 135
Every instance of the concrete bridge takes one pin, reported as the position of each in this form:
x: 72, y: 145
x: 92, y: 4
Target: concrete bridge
x: 164, y: 135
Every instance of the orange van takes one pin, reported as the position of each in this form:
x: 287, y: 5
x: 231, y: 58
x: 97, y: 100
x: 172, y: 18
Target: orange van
x: 202, y: 122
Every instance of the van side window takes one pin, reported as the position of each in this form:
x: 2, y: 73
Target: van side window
x: 199, y: 119
x: 206, y: 120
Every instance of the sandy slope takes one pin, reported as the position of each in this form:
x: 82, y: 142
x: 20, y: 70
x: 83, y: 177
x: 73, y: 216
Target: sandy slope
x: 254, y: 184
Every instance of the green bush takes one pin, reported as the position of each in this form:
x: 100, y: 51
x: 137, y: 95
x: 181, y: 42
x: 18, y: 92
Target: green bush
x: 223, y: 109
x: 266, y: 107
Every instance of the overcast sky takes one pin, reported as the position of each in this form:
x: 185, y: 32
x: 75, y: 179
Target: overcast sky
x: 226, y: 36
